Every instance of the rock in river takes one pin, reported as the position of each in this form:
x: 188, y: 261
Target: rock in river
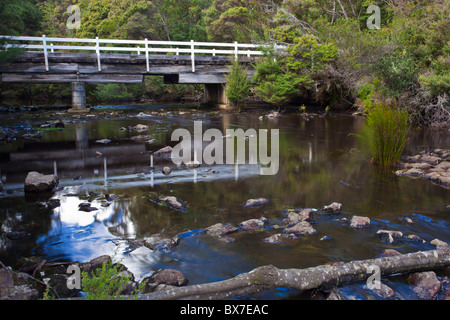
x: 111, y: 196
x: 389, y: 236
x: 104, y: 141
x: 252, y: 224
x: 163, y: 151
x: 434, y: 166
x: 438, y: 243
x: 301, y: 228
x: 359, y: 222
x: 425, y: 284
x: 220, y: 229
x: 333, y: 208
x: 296, y: 215
x: 173, y: 203
x: 37, y: 182
x: 279, y: 238
x: 170, y: 277
x: 140, y: 127
x: 255, y: 202
x: 15, y: 235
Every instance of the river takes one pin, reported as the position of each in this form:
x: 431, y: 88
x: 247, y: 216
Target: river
x: 320, y: 162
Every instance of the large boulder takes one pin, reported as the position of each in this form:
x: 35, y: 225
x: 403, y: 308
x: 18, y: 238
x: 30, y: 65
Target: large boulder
x: 38, y: 182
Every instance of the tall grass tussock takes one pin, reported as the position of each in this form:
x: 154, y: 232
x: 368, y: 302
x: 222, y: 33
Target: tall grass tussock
x: 386, y: 133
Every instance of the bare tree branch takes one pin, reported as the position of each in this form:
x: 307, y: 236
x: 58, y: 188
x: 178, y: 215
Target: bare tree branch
x: 343, y: 9
x: 305, y: 26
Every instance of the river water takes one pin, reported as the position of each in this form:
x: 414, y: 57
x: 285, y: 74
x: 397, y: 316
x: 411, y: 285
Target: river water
x: 320, y: 162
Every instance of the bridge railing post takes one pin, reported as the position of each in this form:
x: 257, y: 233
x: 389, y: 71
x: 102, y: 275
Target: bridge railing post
x: 44, y: 44
x: 97, y: 50
x: 147, y: 62
x: 192, y: 56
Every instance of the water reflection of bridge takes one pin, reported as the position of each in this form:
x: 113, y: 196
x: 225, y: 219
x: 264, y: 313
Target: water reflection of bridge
x: 85, y: 161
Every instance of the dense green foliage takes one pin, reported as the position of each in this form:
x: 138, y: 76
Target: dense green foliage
x: 281, y: 77
x: 19, y: 17
x: 331, y: 57
x: 106, y: 283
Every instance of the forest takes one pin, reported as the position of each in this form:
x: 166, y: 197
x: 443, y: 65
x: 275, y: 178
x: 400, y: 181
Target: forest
x: 334, y: 57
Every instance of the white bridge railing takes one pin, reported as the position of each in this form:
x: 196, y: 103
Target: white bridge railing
x: 49, y: 44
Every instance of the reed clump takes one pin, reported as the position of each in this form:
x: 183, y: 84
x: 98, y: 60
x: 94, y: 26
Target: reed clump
x: 386, y: 133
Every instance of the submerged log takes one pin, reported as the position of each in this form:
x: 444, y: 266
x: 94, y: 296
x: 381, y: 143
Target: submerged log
x: 268, y: 277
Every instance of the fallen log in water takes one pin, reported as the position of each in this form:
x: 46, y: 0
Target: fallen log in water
x: 269, y: 277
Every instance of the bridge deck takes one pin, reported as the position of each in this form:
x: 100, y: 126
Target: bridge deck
x: 124, y: 68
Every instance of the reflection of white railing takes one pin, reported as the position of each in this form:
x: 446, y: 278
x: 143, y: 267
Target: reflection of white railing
x: 134, y: 46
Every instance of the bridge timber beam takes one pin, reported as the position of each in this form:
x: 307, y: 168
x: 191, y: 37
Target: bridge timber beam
x: 69, y: 78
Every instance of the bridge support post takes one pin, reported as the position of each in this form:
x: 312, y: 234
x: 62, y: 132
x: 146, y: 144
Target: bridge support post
x: 78, y: 98
x: 215, y: 95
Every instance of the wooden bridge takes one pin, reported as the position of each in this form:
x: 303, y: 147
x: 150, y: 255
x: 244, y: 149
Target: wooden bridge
x: 80, y: 61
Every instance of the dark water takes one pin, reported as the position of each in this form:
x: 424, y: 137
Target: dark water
x: 320, y: 163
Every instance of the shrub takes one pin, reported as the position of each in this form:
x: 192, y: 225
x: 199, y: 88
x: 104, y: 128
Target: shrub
x: 398, y: 71
x: 281, y: 78
x: 438, y: 81
x: 105, y: 283
x: 238, y: 85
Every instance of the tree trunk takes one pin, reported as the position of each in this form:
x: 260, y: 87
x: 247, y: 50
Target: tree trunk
x: 269, y: 277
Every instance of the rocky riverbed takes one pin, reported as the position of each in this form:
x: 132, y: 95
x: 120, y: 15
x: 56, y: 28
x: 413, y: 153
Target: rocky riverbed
x: 33, y: 276
x: 433, y: 165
